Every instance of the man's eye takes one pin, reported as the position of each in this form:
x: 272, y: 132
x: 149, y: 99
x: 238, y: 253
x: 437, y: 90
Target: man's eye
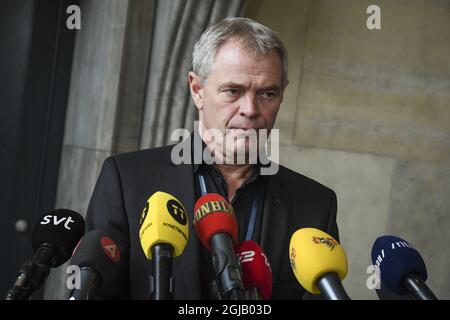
x: 232, y: 92
x: 268, y: 94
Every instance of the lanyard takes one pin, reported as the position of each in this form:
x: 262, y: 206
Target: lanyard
x: 252, y: 221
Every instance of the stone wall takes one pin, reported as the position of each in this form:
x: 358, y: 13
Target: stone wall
x: 367, y: 112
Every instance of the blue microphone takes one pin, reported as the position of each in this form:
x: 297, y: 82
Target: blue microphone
x: 401, y: 266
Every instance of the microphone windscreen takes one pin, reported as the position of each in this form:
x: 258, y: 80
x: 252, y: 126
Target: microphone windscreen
x: 314, y: 253
x: 256, y: 271
x: 98, y: 251
x: 397, y: 258
x: 163, y: 220
x: 62, y: 228
x: 213, y: 215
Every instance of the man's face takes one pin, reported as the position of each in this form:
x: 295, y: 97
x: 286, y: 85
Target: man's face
x: 241, y: 92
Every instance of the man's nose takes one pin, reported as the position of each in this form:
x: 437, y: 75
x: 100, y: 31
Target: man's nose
x: 248, y: 106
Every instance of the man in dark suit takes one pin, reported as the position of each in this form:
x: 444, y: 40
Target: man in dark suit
x: 237, y: 84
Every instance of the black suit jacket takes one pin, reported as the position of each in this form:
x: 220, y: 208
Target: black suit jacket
x: 125, y: 183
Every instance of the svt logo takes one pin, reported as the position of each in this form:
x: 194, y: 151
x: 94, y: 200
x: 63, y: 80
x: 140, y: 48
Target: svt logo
x: 51, y: 219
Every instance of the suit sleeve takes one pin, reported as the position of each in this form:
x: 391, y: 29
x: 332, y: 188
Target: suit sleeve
x: 332, y: 228
x: 106, y: 212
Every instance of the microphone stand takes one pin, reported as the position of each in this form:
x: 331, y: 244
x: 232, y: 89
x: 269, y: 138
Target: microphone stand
x: 33, y: 273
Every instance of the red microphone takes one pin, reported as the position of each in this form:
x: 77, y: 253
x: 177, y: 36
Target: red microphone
x: 216, y: 227
x: 256, y: 271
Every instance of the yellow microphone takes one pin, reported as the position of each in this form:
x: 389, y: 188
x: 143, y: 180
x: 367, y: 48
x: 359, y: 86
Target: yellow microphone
x: 164, y: 233
x: 319, y: 263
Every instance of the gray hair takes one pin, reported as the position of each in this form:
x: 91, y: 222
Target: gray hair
x: 254, y: 37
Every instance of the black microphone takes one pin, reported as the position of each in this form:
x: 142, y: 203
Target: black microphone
x: 99, y: 260
x: 53, y: 238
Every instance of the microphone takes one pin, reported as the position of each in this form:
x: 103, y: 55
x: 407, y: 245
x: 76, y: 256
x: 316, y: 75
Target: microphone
x: 163, y: 233
x: 99, y: 259
x: 256, y: 271
x: 216, y: 227
x: 401, y: 266
x: 319, y: 263
x: 53, y: 239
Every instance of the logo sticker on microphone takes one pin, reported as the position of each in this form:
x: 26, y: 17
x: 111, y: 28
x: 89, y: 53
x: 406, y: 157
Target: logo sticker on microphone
x: 329, y: 242
x: 177, y: 212
x: 213, y: 207
x: 292, y: 258
x: 110, y: 248
x: 144, y: 213
x: 246, y: 256
x: 55, y: 220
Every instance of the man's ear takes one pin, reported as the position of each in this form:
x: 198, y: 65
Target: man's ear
x: 196, y: 88
x: 285, y: 84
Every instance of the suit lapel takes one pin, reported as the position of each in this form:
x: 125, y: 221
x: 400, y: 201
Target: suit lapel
x: 274, y: 236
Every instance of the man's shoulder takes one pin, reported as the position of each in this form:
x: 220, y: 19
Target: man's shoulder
x: 135, y: 159
x: 293, y: 179
x: 159, y: 154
